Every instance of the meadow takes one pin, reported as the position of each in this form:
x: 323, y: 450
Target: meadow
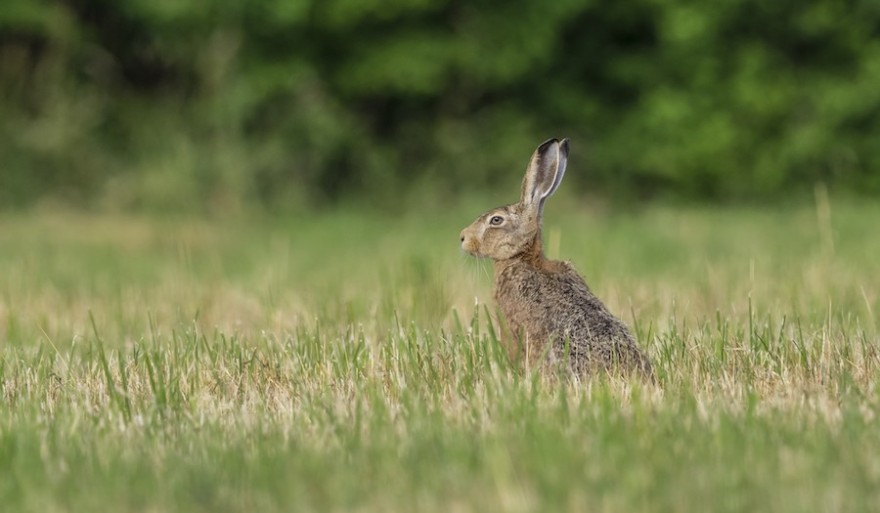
x: 348, y: 361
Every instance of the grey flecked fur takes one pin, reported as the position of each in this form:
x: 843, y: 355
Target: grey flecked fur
x: 547, y: 301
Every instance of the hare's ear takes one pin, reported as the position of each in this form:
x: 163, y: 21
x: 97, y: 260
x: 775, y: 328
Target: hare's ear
x: 544, y: 173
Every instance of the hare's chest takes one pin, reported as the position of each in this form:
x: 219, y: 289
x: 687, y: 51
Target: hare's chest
x: 528, y: 302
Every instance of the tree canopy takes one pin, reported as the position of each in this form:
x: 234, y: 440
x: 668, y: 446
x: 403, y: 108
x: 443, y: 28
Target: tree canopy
x: 170, y: 102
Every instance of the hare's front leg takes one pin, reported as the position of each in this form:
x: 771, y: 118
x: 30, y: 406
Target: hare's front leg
x: 511, y: 338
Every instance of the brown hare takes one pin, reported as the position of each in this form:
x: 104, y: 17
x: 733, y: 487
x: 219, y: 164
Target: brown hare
x: 546, y: 301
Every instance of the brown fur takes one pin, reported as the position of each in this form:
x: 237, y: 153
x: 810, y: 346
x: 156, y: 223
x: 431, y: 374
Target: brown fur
x: 546, y: 301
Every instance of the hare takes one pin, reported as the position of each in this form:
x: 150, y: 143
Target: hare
x: 546, y: 301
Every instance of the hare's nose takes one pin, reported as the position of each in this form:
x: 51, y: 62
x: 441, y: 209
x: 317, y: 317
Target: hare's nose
x: 461, y: 237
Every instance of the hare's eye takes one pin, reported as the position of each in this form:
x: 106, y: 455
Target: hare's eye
x: 496, y: 220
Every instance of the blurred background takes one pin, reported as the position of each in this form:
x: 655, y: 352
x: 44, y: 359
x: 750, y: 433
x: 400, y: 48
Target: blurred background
x: 223, y: 106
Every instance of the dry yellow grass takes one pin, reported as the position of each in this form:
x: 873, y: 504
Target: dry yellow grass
x: 346, y: 362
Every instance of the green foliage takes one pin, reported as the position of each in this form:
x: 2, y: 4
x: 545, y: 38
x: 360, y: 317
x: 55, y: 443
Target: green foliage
x: 218, y: 104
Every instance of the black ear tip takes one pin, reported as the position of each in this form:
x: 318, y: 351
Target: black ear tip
x: 546, y: 144
x: 563, y: 145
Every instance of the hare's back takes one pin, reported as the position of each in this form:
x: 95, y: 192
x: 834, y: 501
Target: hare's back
x: 580, y: 315
x: 557, y: 305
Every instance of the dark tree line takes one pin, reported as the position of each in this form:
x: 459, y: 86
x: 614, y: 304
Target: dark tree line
x: 180, y: 103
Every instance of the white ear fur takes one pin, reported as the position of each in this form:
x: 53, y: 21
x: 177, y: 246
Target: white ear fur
x: 545, y: 172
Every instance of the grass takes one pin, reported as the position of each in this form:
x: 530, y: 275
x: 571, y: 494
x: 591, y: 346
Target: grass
x: 346, y: 361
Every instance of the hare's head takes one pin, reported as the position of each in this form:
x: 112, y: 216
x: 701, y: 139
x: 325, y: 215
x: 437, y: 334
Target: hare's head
x: 508, y: 231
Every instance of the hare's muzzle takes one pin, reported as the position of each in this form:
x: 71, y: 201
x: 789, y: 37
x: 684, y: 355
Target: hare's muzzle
x: 469, y: 243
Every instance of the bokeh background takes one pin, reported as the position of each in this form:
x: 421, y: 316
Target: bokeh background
x: 298, y: 104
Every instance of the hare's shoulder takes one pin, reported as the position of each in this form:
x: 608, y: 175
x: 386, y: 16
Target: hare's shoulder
x: 573, y: 295
x: 553, y: 277
x: 564, y: 273
x: 564, y: 268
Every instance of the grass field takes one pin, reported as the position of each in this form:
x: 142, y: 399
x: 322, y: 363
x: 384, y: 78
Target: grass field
x: 346, y: 362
